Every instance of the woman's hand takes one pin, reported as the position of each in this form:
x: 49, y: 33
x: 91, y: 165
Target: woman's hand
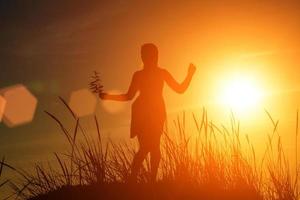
x: 192, y: 69
x: 102, y: 95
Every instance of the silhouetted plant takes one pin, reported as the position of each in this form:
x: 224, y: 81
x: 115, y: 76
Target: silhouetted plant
x: 95, y: 84
x: 211, y: 163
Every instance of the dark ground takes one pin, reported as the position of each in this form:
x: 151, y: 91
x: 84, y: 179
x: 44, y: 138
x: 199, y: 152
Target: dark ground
x: 145, y: 192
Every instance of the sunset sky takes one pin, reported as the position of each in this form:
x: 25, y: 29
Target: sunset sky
x: 52, y: 47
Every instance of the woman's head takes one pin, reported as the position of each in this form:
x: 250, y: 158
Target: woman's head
x: 149, y: 53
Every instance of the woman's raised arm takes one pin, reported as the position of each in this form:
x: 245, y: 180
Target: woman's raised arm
x: 133, y: 88
x: 179, y: 87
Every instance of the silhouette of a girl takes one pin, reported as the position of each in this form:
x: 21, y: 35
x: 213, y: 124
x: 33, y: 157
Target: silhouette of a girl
x: 148, y: 110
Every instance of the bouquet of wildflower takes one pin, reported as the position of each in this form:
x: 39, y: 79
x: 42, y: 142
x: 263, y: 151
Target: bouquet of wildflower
x: 95, y: 84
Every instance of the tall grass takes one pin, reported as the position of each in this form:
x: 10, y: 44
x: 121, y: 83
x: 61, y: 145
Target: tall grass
x: 2, y: 165
x: 214, y: 162
x: 6, y: 181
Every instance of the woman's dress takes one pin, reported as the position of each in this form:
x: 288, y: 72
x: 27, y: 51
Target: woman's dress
x: 148, y: 113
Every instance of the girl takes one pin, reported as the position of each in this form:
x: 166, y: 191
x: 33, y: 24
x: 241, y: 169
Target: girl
x: 148, y: 112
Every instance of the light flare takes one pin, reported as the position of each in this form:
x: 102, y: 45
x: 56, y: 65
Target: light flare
x: 241, y: 94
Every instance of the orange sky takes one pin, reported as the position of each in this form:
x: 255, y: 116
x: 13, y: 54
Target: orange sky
x: 56, y: 49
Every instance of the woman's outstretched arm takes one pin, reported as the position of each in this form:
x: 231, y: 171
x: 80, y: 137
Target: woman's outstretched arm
x: 133, y: 88
x: 180, y: 87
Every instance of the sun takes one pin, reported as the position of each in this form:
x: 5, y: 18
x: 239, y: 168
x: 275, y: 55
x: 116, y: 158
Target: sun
x: 241, y: 94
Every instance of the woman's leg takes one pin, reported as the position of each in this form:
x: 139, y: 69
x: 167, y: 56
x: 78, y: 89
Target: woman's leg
x: 138, y: 161
x: 155, y: 156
